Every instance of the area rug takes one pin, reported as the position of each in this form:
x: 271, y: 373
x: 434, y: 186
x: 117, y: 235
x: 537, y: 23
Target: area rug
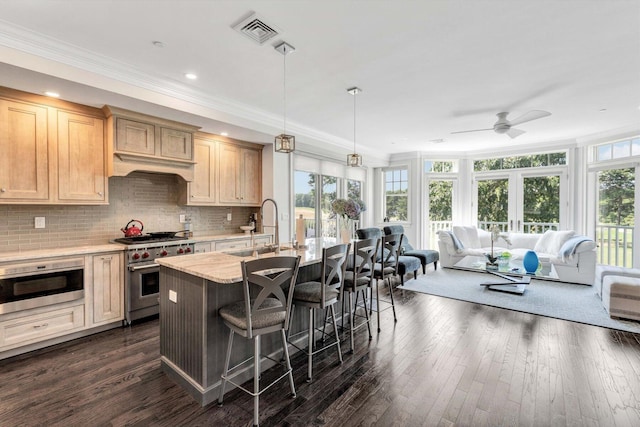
x: 577, y: 303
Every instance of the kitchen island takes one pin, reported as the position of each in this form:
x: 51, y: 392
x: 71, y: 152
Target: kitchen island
x: 193, y: 338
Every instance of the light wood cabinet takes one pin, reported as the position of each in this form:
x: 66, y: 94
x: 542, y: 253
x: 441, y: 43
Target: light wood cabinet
x: 226, y: 173
x: 53, y: 152
x: 81, y: 158
x: 203, y: 190
x: 240, y: 177
x: 24, y: 162
x: 41, y: 326
x: 202, y: 247
x: 108, y: 288
x: 140, y: 142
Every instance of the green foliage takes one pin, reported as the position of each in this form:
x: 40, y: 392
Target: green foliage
x: 616, y: 196
x: 440, y: 198
x: 542, y: 199
x: 493, y: 200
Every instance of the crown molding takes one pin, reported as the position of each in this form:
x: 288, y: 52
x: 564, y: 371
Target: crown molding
x: 48, y: 48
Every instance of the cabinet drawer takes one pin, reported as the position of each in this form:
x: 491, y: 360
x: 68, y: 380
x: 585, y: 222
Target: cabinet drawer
x: 38, y: 327
x: 202, y: 247
x: 232, y: 244
x: 263, y: 240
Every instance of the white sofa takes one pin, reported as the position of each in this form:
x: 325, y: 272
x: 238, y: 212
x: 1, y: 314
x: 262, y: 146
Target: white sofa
x: 573, y: 256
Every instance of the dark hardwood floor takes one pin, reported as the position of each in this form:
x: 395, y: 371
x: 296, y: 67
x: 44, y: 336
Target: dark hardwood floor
x: 445, y: 362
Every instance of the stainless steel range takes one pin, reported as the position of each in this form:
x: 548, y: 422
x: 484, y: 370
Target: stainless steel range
x: 142, y: 277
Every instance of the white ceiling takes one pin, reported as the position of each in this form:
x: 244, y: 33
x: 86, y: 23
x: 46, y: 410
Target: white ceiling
x: 426, y: 68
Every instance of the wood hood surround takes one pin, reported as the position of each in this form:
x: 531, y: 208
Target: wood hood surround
x: 138, y: 142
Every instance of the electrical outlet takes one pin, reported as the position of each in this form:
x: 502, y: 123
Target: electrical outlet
x: 173, y: 296
x: 183, y: 218
x: 40, y: 223
x: 229, y: 216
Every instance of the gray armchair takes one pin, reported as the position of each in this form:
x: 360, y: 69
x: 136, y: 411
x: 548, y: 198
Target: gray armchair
x: 406, y: 264
x: 426, y: 256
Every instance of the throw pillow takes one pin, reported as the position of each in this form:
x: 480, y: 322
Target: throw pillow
x: 551, y: 241
x: 468, y: 235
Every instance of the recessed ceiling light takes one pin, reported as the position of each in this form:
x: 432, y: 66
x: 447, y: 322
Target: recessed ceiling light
x: 158, y: 43
x: 191, y: 76
x: 602, y: 110
x: 437, y: 141
x: 52, y: 94
x: 224, y: 133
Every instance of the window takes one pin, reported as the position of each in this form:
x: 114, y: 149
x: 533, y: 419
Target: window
x: 305, y: 201
x: 617, y: 149
x: 517, y: 162
x: 396, y: 185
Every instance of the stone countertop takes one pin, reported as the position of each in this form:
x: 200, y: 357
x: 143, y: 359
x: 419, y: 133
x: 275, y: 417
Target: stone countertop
x: 57, y: 252
x: 224, y: 267
x: 107, y: 247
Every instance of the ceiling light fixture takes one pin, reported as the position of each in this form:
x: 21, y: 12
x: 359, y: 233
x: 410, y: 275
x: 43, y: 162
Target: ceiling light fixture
x: 191, y: 76
x: 354, y: 159
x: 224, y: 133
x: 284, y: 143
x: 52, y: 94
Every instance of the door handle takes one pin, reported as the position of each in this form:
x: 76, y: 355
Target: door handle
x: 519, y: 225
x: 511, y: 224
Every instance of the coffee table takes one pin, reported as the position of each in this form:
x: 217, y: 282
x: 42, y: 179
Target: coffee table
x: 514, y: 277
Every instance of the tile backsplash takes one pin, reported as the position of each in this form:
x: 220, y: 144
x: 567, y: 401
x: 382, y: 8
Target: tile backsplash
x: 150, y: 198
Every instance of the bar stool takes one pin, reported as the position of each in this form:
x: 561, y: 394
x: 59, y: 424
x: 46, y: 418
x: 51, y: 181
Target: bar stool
x: 386, y: 268
x: 358, y: 280
x: 265, y: 309
x: 320, y: 295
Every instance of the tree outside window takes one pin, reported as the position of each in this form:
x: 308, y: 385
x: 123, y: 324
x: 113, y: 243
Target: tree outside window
x: 396, y: 184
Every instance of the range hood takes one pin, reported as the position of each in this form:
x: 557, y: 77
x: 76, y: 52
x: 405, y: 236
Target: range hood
x: 137, y: 142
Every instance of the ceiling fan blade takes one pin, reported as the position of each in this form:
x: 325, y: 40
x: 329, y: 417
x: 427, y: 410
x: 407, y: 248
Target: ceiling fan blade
x: 527, y: 117
x: 514, y: 133
x: 475, y: 130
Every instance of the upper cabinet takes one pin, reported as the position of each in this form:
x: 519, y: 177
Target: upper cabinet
x: 226, y: 173
x: 24, y: 163
x: 145, y: 143
x: 53, y: 152
x: 81, y: 162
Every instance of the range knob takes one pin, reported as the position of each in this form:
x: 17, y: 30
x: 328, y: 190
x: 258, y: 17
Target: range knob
x: 135, y: 256
x: 145, y: 254
x: 163, y: 253
x: 188, y: 249
x: 180, y: 250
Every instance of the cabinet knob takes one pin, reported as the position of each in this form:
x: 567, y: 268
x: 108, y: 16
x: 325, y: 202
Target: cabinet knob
x: 3, y: 190
x: 44, y: 325
x: 100, y: 193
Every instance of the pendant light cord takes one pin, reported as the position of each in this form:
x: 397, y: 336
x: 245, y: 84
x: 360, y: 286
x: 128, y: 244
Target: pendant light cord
x: 354, y: 123
x: 284, y: 92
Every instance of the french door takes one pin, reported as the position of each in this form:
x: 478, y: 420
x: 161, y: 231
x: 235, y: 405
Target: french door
x: 522, y: 201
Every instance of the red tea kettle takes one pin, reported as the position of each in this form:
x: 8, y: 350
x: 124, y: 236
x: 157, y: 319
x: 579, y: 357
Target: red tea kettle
x: 131, y: 230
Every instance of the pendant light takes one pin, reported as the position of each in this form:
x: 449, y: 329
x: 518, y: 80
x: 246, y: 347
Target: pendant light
x: 354, y: 159
x: 284, y: 143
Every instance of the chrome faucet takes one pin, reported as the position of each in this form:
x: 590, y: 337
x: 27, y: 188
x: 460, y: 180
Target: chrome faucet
x: 275, y: 226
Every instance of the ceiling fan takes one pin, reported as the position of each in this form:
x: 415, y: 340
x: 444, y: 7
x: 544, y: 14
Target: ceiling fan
x: 506, y: 126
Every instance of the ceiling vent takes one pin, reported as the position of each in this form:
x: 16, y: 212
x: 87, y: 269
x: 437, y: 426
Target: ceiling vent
x: 256, y: 29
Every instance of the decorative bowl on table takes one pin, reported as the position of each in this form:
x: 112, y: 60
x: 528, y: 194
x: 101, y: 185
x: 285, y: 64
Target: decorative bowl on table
x: 246, y: 228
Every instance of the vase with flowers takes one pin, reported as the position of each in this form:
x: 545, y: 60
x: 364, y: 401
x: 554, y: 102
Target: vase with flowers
x: 492, y: 259
x: 346, y: 212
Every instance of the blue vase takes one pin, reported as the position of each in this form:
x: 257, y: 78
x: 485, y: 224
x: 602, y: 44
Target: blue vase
x: 530, y: 262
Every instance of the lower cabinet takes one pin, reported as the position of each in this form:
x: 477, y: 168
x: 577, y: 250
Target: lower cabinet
x: 41, y: 326
x: 108, y: 288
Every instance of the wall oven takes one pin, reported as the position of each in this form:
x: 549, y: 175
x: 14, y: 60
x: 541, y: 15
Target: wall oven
x: 40, y: 283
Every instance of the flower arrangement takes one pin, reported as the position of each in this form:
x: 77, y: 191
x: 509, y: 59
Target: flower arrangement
x: 348, y: 208
x: 495, y: 235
